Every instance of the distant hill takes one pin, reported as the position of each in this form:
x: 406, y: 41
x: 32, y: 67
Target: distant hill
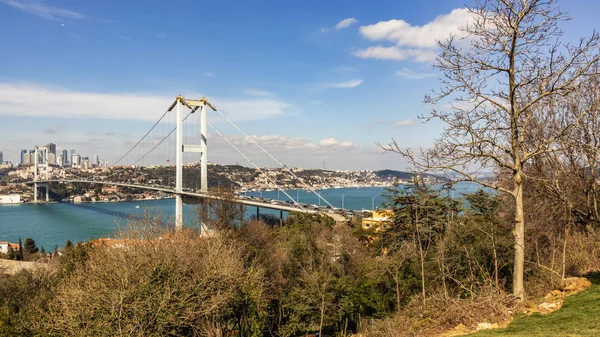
x: 403, y: 175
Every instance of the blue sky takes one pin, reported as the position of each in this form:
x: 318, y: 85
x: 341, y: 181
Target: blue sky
x: 313, y: 80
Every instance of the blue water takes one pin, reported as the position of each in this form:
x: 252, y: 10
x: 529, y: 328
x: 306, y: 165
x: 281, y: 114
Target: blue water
x: 363, y: 198
x: 54, y: 224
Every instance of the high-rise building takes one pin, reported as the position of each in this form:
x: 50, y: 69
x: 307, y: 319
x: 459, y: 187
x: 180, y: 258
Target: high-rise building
x: 60, y: 160
x: 51, y: 148
x: 75, y: 160
x: 85, y: 163
x: 65, y: 158
x: 23, y: 153
x: 73, y: 152
x: 51, y: 158
x: 97, y: 161
x: 29, y: 157
x: 1, y: 157
x: 42, y: 155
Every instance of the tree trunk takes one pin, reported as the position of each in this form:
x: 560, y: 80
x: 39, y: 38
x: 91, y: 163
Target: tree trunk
x: 397, y: 280
x: 322, y: 313
x: 495, y: 259
x: 519, y: 234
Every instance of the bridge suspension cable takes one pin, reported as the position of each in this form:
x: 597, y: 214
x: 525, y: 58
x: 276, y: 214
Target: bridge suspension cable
x: 139, y: 141
x: 162, y: 140
x: 255, y: 166
x: 275, y: 159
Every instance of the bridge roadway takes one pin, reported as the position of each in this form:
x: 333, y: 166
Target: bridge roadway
x: 249, y: 202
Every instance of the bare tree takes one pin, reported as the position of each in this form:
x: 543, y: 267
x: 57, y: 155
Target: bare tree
x: 221, y: 211
x: 509, y: 74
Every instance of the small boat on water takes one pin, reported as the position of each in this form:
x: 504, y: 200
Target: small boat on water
x: 137, y: 206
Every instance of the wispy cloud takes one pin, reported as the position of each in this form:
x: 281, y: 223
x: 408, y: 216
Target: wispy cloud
x: 343, y: 85
x: 396, y: 53
x: 404, y: 122
x: 345, y: 23
x: 209, y: 74
x: 42, y: 10
x: 15, y: 100
x: 324, y: 30
x: 412, y: 75
x: 284, y: 144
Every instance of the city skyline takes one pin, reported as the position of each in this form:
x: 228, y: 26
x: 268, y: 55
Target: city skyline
x: 312, y: 82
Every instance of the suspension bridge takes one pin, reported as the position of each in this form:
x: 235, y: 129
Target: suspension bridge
x: 179, y: 137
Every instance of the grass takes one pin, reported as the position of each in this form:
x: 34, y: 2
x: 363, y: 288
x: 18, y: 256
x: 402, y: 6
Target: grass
x: 579, y: 316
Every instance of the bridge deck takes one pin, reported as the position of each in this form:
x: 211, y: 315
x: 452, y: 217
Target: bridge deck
x: 268, y: 204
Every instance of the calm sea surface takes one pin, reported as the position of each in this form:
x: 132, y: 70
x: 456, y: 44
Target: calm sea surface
x: 54, y: 224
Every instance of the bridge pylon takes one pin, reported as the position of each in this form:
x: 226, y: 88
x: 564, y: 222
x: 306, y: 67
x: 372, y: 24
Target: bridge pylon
x: 194, y: 105
x: 35, y: 173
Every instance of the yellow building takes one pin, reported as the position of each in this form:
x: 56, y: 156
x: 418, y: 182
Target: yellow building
x: 378, y: 220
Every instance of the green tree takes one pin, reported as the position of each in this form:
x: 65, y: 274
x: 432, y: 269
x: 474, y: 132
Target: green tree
x: 29, y: 248
x: 420, y: 216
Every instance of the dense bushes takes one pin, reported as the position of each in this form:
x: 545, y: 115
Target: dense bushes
x: 436, y: 265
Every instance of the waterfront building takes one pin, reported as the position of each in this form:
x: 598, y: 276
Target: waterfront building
x: 10, y: 199
x: 5, y: 245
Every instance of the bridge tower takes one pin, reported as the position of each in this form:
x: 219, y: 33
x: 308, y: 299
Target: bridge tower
x: 36, y: 164
x: 201, y: 148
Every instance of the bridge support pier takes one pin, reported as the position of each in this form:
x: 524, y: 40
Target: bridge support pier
x: 179, y: 169
x: 47, y: 192
x: 280, y: 218
x: 35, y: 174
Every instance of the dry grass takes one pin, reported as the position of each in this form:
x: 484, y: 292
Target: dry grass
x: 439, y: 315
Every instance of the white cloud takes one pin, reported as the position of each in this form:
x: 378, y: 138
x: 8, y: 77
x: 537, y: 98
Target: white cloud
x: 344, y: 85
x: 16, y: 100
x: 209, y: 74
x: 418, y: 43
x: 412, y: 75
x: 404, y: 123
x: 381, y: 53
x: 324, y: 30
x: 404, y: 34
x: 42, y: 10
x: 345, y: 23
x: 396, y: 53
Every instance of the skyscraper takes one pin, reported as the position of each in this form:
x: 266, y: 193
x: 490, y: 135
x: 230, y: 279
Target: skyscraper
x: 51, y: 158
x: 97, y: 161
x: 76, y: 161
x: 1, y: 157
x: 23, y: 154
x: 51, y: 148
x: 65, y: 157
